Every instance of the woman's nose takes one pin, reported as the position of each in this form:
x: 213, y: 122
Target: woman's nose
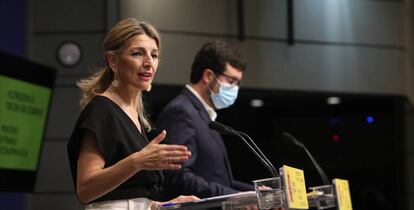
x: 147, y: 62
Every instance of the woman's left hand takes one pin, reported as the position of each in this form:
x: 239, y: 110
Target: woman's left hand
x: 179, y: 199
x: 156, y: 156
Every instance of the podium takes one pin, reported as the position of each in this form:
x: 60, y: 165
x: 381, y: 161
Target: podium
x: 290, y: 193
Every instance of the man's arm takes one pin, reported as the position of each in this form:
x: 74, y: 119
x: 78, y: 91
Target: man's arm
x: 187, y: 183
x: 241, y: 186
x: 181, y: 130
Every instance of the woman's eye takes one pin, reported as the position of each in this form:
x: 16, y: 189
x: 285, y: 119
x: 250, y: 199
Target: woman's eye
x: 137, y: 53
x: 154, y: 55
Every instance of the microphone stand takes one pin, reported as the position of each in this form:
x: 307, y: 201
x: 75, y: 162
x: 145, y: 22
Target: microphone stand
x: 296, y: 142
x: 259, y: 154
x: 326, y: 199
x: 253, y: 144
x: 264, y: 160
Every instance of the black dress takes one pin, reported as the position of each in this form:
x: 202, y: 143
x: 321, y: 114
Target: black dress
x: 117, y: 137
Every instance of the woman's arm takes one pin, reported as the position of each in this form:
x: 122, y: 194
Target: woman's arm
x: 94, y: 181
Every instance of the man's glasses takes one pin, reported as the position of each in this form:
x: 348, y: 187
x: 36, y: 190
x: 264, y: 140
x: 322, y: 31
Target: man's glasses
x: 230, y: 79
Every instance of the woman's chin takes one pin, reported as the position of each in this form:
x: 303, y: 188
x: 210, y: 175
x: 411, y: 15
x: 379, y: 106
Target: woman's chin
x: 144, y: 87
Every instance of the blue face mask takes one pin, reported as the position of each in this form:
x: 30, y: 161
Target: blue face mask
x: 226, y: 96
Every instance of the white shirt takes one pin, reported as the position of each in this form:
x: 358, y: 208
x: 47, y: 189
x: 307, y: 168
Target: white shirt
x: 211, y: 112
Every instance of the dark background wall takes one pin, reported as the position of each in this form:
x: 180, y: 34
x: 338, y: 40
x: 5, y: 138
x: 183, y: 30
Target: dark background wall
x: 360, y: 50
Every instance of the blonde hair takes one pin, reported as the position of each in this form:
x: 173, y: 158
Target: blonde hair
x: 114, y: 41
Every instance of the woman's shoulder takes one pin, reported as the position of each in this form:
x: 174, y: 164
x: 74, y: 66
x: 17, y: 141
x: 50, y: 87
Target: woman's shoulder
x: 99, y: 105
x: 99, y: 115
x: 99, y: 101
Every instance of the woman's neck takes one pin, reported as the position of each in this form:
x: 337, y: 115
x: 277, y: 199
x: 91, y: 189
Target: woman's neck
x: 126, y: 98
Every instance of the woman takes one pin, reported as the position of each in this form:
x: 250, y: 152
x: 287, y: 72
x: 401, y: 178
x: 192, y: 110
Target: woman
x: 113, y: 164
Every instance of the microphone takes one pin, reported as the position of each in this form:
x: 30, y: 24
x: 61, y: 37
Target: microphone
x: 224, y: 129
x: 293, y: 141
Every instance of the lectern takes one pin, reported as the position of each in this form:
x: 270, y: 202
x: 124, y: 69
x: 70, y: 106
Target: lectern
x: 291, y: 194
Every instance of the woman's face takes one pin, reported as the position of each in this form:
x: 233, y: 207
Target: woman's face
x: 138, y: 62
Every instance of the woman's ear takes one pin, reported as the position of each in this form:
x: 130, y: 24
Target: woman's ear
x: 111, y: 60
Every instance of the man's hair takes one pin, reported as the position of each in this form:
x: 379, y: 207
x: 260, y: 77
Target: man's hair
x: 214, y: 56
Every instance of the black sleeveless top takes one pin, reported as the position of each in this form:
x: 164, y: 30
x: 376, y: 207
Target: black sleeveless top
x: 117, y: 137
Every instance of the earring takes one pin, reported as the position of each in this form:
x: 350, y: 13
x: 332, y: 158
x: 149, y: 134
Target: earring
x: 115, y: 81
x: 149, y: 88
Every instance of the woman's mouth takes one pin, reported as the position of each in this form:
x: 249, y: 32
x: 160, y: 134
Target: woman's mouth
x: 146, y: 76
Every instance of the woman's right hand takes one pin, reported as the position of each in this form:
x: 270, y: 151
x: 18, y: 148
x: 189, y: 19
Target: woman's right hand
x: 156, y: 156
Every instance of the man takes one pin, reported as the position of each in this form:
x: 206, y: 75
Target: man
x: 215, y: 77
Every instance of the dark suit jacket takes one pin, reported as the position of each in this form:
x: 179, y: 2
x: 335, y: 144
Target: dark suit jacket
x: 207, y: 173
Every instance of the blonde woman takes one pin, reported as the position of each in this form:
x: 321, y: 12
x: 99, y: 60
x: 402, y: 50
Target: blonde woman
x: 113, y: 164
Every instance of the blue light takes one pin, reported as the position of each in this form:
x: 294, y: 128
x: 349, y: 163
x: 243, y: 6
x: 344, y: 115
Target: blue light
x: 370, y: 119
